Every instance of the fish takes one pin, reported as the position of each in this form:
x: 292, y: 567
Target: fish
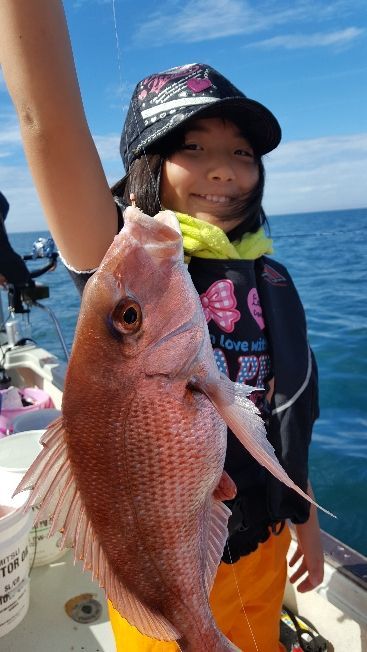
x: 132, y: 472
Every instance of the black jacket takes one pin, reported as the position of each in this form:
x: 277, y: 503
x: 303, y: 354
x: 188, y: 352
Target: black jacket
x: 295, y: 404
x: 294, y: 408
x: 12, y: 266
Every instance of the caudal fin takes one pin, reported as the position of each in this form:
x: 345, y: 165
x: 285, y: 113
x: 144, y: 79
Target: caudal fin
x: 242, y: 417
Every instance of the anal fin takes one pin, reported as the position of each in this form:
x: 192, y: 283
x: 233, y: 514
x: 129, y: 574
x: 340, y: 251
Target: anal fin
x: 218, y: 534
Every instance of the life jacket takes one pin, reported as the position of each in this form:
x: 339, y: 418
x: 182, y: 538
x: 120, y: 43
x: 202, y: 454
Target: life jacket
x: 262, y: 502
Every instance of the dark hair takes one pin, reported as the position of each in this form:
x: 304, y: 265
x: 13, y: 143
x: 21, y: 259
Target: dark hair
x: 143, y: 180
x: 4, y: 206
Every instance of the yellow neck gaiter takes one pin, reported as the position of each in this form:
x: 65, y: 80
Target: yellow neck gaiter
x: 204, y: 240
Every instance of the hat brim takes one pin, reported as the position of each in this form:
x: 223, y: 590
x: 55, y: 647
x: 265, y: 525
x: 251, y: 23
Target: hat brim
x: 255, y: 121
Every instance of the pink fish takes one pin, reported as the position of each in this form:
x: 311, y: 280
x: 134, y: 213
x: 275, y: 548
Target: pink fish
x: 133, y: 471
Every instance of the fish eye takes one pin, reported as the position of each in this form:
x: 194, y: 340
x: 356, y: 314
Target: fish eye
x: 127, y: 316
x: 130, y: 315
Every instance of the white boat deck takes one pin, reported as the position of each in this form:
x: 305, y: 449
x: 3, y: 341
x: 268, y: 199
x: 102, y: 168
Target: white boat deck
x: 47, y: 627
x: 337, y: 608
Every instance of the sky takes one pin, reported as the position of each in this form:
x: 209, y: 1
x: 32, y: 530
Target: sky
x: 306, y: 60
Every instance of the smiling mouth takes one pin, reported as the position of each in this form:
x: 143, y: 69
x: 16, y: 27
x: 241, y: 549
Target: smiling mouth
x: 216, y: 199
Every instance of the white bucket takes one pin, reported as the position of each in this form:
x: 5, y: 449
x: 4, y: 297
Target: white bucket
x: 17, y: 453
x: 14, y: 554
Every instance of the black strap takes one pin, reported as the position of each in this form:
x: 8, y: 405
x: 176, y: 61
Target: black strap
x: 120, y: 219
x: 317, y: 644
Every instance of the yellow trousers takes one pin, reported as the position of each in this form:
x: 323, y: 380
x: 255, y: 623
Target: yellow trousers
x: 246, y: 602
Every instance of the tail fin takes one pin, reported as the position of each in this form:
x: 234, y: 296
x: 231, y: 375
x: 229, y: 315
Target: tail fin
x: 242, y: 417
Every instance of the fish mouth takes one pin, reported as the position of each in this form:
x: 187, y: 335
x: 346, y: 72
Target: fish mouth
x: 162, y: 228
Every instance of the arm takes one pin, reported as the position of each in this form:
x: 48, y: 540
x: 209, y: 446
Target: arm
x: 38, y: 67
x: 309, y: 552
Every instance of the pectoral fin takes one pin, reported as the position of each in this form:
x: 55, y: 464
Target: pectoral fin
x: 242, y: 417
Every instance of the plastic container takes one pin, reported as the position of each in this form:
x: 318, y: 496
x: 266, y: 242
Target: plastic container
x: 5, y: 426
x: 38, y: 398
x: 14, y: 330
x: 14, y: 554
x: 17, y: 453
x: 37, y: 420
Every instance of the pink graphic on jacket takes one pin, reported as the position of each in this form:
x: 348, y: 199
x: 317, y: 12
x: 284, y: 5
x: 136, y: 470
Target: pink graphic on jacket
x: 253, y: 302
x: 219, y: 304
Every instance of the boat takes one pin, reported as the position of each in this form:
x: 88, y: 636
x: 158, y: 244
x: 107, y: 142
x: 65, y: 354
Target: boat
x: 67, y: 610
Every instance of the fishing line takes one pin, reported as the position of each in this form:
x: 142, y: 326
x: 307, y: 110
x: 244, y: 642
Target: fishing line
x: 133, y: 110
x: 241, y: 601
x: 157, y: 195
x: 119, y: 64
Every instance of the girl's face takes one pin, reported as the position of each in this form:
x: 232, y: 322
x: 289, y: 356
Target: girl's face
x: 213, y: 171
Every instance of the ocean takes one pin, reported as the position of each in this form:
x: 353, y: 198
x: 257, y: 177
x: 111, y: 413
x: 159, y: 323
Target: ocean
x: 326, y: 254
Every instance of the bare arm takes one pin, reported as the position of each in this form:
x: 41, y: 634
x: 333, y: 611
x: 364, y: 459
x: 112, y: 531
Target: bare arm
x: 38, y: 67
x: 309, y: 552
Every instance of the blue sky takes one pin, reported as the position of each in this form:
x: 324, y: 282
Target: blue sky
x: 306, y: 60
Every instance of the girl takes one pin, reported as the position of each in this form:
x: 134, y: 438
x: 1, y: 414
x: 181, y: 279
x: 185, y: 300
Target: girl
x: 192, y: 143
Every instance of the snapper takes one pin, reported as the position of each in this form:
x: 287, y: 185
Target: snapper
x: 133, y: 470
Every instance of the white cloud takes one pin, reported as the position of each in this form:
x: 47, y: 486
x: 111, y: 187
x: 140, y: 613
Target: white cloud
x: 317, y: 174
x: 80, y: 3
x: 109, y: 151
x: 118, y: 95
x: 9, y: 137
x: 17, y: 184
x: 301, y: 154
x: 319, y: 39
x: 200, y: 20
x: 10, y: 140
x: 25, y: 210
x: 108, y: 147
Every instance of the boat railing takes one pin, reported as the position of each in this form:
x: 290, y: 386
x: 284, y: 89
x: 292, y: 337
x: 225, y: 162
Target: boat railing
x: 21, y: 299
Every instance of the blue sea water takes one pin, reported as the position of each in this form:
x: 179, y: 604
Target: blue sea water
x: 326, y: 254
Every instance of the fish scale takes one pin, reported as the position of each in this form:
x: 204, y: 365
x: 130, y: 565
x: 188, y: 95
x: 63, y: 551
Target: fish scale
x: 133, y: 470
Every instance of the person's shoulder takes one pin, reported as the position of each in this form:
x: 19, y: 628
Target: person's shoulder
x: 275, y: 263
x: 275, y: 272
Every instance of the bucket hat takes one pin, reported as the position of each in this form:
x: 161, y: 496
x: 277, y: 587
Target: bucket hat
x: 165, y: 100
